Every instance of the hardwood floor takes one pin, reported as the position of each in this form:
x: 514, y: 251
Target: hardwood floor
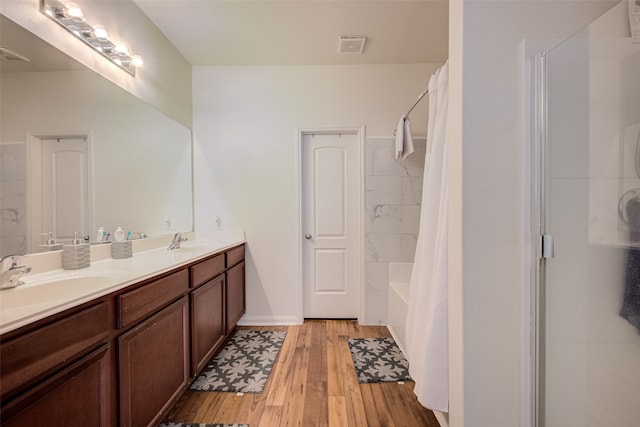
x: 313, y: 383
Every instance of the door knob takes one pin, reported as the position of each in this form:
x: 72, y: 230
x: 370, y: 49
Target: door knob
x: 307, y: 236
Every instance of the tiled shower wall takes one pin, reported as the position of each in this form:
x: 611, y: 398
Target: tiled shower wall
x: 393, y: 191
x: 13, y: 201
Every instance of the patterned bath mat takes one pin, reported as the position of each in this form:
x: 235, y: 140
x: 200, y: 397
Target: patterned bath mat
x: 201, y: 425
x: 378, y: 360
x: 244, y: 364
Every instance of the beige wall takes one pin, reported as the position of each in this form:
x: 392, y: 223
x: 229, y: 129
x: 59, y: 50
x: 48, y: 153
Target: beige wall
x: 246, y: 126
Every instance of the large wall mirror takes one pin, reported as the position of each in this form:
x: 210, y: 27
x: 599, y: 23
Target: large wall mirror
x: 78, y: 152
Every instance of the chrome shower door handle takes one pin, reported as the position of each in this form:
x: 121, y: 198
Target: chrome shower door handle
x: 308, y: 236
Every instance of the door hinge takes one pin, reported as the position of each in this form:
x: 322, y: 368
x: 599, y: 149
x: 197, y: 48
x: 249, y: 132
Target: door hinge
x: 547, y: 246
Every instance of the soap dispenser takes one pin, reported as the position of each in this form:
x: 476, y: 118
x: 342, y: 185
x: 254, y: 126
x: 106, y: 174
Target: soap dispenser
x: 119, y: 234
x: 101, y: 235
x: 50, y: 243
x: 76, y: 255
x: 121, y: 248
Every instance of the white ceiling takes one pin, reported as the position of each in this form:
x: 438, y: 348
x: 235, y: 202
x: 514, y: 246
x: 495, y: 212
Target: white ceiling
x: 302, y: 32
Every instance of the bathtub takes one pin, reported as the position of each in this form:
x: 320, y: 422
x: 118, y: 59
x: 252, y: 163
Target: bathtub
x: 399, y: 278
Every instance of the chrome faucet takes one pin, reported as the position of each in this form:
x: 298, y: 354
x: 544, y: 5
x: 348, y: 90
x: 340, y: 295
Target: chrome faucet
x: 10, y: 271
x: 177, y: 239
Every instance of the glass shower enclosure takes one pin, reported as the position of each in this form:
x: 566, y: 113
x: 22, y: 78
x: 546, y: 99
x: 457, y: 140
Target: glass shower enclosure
x: 589, y: 293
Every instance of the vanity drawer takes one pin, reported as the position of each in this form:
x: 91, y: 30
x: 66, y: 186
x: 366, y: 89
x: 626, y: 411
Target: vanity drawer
x: 136, y: 304
x: 235, y: 255
x: 27, y: 358
x: 206, y: 270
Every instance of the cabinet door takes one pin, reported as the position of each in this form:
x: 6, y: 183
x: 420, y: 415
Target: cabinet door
x: 28, y: 359
x: 76, y: 396
x: 153, y: 365
x: 207, y: 322
x: 235, y: 295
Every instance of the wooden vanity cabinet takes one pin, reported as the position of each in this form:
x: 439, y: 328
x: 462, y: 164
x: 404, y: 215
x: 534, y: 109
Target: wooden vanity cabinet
x: 76, y: 396
x: 235, y: 295
x: 207, y: 322
x: 153, y: 365
x: 125, y: 358
x: 60, y: 372
x: 235, y: 301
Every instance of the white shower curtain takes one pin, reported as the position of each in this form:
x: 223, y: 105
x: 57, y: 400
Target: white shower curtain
x: 427, y: 315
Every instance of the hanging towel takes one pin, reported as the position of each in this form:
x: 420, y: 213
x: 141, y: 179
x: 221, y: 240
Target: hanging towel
x: 631, y: 301
x: 427, y: 316
x: 404, y: 139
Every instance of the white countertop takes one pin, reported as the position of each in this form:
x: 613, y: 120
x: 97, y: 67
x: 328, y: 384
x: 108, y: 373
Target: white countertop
x: 49, y: 289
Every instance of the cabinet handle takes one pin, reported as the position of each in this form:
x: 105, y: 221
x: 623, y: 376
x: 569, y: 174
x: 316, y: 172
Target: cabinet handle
x: 307, y: 236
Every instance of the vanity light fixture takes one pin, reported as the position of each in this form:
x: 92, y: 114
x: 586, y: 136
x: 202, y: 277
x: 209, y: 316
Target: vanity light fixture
x: 71, y: 17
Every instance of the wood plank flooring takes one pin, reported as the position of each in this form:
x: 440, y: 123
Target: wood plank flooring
x: 313, y: 384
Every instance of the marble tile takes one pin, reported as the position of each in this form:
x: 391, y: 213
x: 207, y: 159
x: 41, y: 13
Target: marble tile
x: 383, y: 190
x: 411, y: 190
x: 383, y: 247
x: 368, y: 158
x: 414, y: 164
x: 383, y: 218
x: 410, y: 219
x: 384, y: 161
x: 13, y: 208
x: 408, y: 244
x: 13, y: 245
x: 392, y: 214
x: 12, y: 162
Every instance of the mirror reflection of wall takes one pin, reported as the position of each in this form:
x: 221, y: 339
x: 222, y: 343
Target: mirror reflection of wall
x: 139, y: 159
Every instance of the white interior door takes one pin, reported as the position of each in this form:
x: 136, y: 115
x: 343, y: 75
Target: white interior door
x: 65, y: 187
x: 330, y: 225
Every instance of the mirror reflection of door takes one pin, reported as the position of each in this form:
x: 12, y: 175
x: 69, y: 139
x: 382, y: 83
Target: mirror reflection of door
x: 60, y: 191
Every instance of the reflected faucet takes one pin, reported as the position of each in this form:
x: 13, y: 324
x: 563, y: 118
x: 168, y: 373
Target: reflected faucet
x: 177, y: 239
x: 10, y: 271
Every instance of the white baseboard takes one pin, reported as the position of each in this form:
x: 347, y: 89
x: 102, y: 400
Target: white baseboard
x: 269, y: 321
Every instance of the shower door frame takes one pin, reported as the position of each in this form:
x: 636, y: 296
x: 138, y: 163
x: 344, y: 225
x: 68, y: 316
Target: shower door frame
x: 540, y: 160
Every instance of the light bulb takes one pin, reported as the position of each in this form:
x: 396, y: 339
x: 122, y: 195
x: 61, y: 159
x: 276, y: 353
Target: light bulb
x: 119, y: 48
x: 74, y: 11
x: 100, y: 32
x: 137, y: 61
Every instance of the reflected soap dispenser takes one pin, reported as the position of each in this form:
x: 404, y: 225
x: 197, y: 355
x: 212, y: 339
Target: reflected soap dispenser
x: 101, y: 235
x: 76, y: 255
x: 49, y: 244
x: 119, y: 234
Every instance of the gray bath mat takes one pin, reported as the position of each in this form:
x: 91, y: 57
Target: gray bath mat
x: 378, y: 360
x: 244, y: 364
x: 201, y: 425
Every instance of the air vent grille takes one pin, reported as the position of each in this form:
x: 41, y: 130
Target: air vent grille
x: 351, y: 45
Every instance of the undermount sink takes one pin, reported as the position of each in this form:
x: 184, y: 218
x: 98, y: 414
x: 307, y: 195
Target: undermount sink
x: 63, y: 286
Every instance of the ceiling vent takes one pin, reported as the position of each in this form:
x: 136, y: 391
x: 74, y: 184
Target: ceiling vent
x: 351, y: 44
x: 10, y: 56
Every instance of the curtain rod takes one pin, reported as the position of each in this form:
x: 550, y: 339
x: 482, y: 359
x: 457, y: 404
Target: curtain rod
x: 426, y: 91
